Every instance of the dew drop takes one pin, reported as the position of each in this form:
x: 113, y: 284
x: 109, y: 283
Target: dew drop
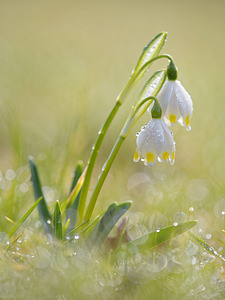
x: 10, y: 174
x: 208, y: 236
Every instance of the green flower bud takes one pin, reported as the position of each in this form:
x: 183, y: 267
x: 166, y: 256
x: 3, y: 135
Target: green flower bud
x: 171, y: 71
x: 156, y: 111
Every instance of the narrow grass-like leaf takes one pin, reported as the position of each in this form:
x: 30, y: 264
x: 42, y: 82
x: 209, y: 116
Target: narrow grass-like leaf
x: 151, y: 51
x: 15, y: 240
x: 77, y: 173
x: 107, y: 222
x: 13, y: 230
x: 10, y: 220
x: 72, y: 213
x: 201, y: 242
x: 79, y: 228
x: 82, y: 229
x: 66, y: 227
x: 76, y: 189
x: 156, y: 237
x: 57, y: 221
x: 44, y: 213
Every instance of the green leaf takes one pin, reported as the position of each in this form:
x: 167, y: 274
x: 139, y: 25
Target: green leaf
x: 150, y: 51
x: 74, y: 198
x: 13, y: 230
x: 77, y: 173
x: 57, y: 221
x: 44, y: 213
x: 82, y: 229
x: 156, y: 237
x: 76, y: 189
x: 107, y: 222
x: 152, y: 87
x: 72, y: 213
x: 66, y: 227
x: 201, y: 242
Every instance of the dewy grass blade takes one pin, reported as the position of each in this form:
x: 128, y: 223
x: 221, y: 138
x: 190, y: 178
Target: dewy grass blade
x: 10, y: 220
x: 72, y: 213
x: 77, y: 173
x: 82, y: 230
x: 155, y: 238
x: 44, y: 213
x: 76, y: 189
x: 13, y: 230
x: 76, y: 229
x: 210, y: 249
x: 57, y: 222
x: 65, y: 228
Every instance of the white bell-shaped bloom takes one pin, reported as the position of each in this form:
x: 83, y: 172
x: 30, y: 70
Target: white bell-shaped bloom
x: 155, y: 141
x: 176, y: 104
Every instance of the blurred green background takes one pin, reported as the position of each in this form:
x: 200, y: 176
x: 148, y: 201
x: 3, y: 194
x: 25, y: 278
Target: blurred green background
x: 62, y: 64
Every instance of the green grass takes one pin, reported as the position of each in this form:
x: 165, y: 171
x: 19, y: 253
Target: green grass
x: 62, y: 65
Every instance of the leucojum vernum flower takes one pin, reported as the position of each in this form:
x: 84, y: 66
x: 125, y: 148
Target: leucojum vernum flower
x: 175, y: 101
x: 155, y: 140
x: 167, y: 102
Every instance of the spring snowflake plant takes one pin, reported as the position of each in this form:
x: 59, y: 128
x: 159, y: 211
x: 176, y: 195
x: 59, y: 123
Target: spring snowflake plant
x: 166, y: 100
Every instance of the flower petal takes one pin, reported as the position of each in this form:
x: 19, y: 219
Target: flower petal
x: 184, y: 104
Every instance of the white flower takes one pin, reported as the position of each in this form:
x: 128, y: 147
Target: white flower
x: 155, y: 140
x: 176, y: 104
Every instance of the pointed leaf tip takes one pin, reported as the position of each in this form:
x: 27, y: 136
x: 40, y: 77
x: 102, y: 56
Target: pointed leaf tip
x: 57, y: 221
x: 150, y: 51
x: 156, y: 237
x: 44, y: 213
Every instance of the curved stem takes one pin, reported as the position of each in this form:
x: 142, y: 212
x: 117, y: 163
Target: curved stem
x: 134, y: 116
x: 143, y: 102
x: 151, y: 61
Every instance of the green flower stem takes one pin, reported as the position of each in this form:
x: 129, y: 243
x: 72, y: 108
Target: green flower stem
x: 97, y: 146
x: 105, y: 170
x: 120, y: 99
x: 102, y: 177
x: 135, y: 115
x: 151, y: 61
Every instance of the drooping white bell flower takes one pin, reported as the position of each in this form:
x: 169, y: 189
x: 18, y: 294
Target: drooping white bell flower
x: 175, y: 101
x: 155, y: 141
x: 176, y: 104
